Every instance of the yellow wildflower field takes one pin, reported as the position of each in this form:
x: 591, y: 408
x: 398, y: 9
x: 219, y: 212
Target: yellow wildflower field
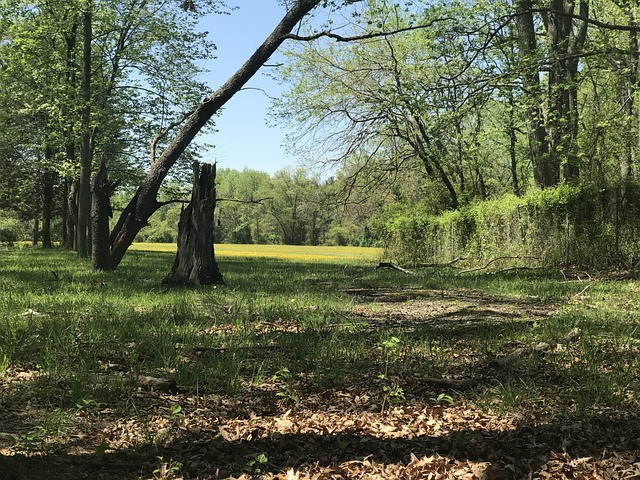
x: 295, y: 253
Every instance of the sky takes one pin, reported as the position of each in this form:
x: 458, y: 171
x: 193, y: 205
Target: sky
x: 243, y: 139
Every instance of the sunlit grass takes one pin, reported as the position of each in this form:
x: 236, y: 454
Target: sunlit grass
x: 297, y: 253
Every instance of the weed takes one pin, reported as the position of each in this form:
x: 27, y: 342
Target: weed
x: 33, y: 441
x: 393, y: 393
x: 258, y: 463
x: 167, y: 470
x: 444, y: 398
x: 287, y: 391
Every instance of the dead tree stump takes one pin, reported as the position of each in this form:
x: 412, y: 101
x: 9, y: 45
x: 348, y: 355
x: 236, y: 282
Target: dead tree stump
x: 195, y: 262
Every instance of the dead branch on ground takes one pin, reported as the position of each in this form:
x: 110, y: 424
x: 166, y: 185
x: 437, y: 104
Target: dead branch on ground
x: 490, y: 262
x: 394, y: 267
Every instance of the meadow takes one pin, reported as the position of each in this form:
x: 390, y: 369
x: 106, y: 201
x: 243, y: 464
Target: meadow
x: 311, y: 363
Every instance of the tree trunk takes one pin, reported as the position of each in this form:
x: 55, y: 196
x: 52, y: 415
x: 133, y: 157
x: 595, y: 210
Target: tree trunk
x: 65, y: 213
x: 544, y: 173
x: 101, y: 212
x: 513, y: 141
x: 195, y: 262
x: 629, y: 103
x: 144, y: 203
x: 47, y: 203
x: 36, y: 231
x: 84, y: 187
x: 72, y: 217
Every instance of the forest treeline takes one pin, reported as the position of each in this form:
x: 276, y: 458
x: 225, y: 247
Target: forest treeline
x: 501, y: 127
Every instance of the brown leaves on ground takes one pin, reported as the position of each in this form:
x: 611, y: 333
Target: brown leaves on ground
x: 334, y: 435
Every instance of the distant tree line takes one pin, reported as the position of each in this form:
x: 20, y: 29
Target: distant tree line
x: 292, y: 207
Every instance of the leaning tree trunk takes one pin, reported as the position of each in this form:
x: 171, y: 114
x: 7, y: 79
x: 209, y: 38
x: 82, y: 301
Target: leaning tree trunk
x: 195, y: 262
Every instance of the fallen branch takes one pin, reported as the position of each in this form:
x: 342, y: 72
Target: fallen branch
x: 510, y: 359
x: 9, y: 437
x: 143, y: 381
x: 495, y: 260
x: 512, y: 269
x: 450, y: 263
x: 394, y: 267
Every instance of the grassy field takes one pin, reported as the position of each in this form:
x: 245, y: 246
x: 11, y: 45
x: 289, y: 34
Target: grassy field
x: 310, y: 363
x: 295, y: 253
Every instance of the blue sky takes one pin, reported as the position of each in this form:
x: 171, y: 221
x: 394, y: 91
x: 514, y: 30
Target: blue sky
x: 243, y: 138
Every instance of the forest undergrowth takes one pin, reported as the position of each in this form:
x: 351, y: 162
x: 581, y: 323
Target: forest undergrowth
x: 318, y: 370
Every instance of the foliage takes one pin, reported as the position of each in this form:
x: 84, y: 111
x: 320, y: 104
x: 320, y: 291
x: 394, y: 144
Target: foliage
x: 560, y: 226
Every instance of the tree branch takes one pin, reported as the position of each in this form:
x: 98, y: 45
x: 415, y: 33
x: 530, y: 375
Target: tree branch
x: 364, y: 36
x: 163, y: 133
x: 259, y: 201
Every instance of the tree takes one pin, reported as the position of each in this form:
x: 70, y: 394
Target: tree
x: 553, y: 131
x: 145, y: 202
x: 121, y: 51
x: 387, y: 103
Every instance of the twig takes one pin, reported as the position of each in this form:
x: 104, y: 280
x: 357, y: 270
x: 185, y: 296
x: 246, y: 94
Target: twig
x: 163, y: 133
x: 143, y: 381
x: 454, y: 384
x: 582, y: 291
x: 259, y: 201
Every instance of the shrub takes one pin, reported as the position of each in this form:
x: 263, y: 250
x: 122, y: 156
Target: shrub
x: 563, y: 225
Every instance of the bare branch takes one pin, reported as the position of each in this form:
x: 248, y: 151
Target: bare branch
x: 364, y: 36
x: 169, y: 202
x: 259, y: 201
x: 163, y: 133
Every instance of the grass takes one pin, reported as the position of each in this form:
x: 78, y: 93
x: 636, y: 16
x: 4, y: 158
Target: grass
x: 296, y: 253
x: 296, y: 322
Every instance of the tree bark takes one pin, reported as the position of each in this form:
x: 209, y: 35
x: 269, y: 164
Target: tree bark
x: 36, y: 231
x: 630, y: 103
x: 144, y: 203
x: 544, y: 173
x: 195, y: 262
x: 72, y: 217
x: 47, y: 206
x: 84, y: 187
x: 101, y: 212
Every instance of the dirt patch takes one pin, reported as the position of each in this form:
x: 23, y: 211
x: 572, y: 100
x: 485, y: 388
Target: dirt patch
x: 412, y: 308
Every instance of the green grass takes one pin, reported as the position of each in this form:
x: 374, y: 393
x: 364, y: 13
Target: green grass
x: 290, y: 325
